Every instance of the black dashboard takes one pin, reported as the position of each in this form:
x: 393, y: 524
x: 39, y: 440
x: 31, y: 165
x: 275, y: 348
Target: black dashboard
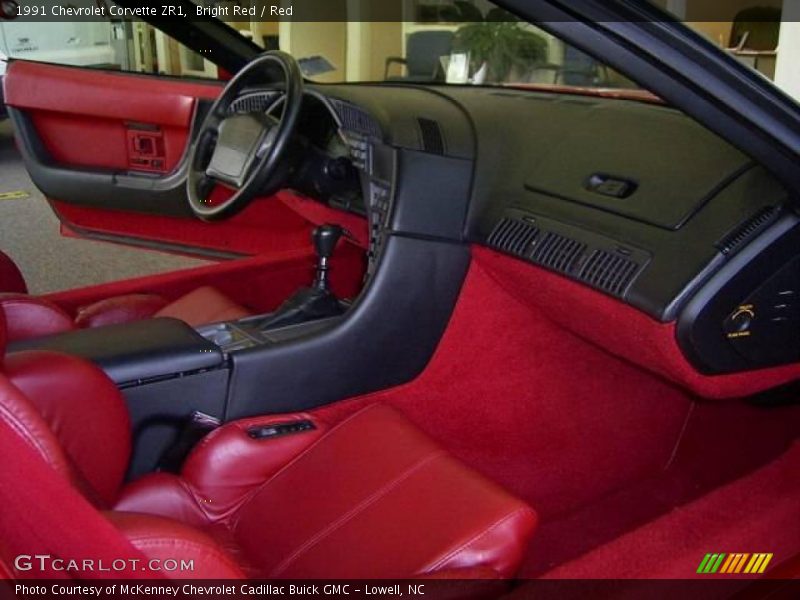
x: 635, y: 200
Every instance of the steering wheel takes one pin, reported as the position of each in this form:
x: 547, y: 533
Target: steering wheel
x: 244, y: 152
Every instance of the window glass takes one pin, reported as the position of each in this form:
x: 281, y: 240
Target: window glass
x: 421, y: 41
x: 762, y: 34
x: 123, y: 45
x: 476, y: 42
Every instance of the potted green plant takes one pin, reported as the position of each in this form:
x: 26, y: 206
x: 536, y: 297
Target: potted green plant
x: 499, y: 44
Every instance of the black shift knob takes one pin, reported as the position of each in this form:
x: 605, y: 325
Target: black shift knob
x: 325, y: 238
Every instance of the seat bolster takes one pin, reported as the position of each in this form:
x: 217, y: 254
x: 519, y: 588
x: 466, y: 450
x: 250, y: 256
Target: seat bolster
x: 220, y: 473
x: 119, y: 309
x: 165, y: 495
x: 29, y: 316
x: 22, y: 416
x: 228, y: 464
x: 165, y: 540
x: 501, y: 545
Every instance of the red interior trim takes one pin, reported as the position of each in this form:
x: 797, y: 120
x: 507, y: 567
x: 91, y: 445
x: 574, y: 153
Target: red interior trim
x: 621, y: 329
x: 112, y: 95
x: 523, y: 388
x: 259, y: 283
x: 269, y: 225
x: 89, y: 118
x: 264, y: 227
x: 533, y: 406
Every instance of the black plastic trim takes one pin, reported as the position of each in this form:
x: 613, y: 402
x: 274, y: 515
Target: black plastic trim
x: 700, y: 326
x: 432, y: 195
x: 386, y: 339
x: 134, y: 352
x: 668, y: 58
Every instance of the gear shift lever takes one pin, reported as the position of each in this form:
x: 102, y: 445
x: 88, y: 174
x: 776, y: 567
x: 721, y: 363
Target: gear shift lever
x: 325, y: 238
x: 317, y: 301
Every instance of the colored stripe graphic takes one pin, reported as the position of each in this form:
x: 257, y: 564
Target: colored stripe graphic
x: 734, y: 563
x: 710, y: 563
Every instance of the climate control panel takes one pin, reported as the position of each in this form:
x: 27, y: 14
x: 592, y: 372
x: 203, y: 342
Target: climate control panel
x: 765, y: 327
x: 748, y: 316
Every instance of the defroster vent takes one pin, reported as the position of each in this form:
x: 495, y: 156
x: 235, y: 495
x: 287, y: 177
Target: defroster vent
x: 744, y: 232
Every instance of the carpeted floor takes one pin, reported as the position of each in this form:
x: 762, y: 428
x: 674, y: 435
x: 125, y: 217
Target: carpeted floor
x: 29, y: 233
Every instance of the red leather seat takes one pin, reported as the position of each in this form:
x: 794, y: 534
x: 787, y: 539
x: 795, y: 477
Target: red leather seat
x: 28, y: 316
x: 369, y: 497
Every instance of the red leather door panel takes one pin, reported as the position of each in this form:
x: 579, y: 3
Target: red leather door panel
x: 83, y: 115
x: 111, y: 125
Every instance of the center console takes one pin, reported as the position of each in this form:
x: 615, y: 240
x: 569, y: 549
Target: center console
x: 315, y: 349
x: 170, y: 373
x: 247, y: 334
x: 165, y: 370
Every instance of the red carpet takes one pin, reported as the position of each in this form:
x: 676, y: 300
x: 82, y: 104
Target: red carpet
x: 596, y: 444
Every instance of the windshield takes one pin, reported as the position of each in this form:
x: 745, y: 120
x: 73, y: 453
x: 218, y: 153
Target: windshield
x: 420, y: 41
x: 458, y: 42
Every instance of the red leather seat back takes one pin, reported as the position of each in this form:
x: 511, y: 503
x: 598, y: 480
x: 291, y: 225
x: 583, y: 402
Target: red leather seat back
x: 43, y: 513
x: 85, y: 413
x: 119, y: 309
x: 202, y: 306
x: 70, y: 413
x: 11, y: 279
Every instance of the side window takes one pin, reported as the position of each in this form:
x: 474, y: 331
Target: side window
x: 123, y: 45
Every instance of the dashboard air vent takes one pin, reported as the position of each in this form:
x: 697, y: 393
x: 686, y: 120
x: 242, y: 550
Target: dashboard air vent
x: 355, y: 119
x: 432, y: 140
x: 252, y: 103
x: 513, y: 235
x: 593, y: 259
x: 609, y: 271
x: 558, y: 252
x: 742, y: 234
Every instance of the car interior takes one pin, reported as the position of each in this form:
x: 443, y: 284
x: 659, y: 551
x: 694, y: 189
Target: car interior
x: 452, y: 329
